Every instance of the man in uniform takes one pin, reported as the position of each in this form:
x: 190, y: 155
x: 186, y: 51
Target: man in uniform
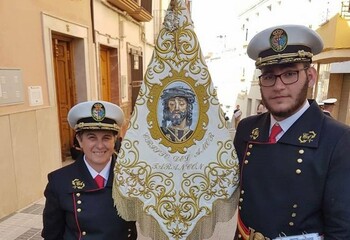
x: 178, y: 110
x: 328, y: 106
x: 79, y: 202
x: 295, y: 166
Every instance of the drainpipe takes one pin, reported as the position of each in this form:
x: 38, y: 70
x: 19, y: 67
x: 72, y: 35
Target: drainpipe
x: 92, y: 21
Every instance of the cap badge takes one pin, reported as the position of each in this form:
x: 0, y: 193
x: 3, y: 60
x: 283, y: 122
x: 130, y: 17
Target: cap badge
x: 255, y: 133
x: 78, y: 184
x: 98, y: 112
x: 307, y: 137
x: 278, y: 40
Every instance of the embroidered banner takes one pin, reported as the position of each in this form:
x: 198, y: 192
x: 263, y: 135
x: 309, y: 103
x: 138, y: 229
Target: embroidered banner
x: 177, y: 169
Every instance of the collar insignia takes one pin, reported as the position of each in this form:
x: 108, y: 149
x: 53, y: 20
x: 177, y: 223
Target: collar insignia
x: 98, y: 112
x: 307, y: 137
x: 255, y: 133
x: 78, y: 184
x: 278, y: 40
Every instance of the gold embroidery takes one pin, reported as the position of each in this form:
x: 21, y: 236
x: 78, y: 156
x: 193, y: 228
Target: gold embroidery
x: 143, y: 181
x: 171, y: 191
x: 78, y: 184
x: 307, y: 137
x: 255, y: 133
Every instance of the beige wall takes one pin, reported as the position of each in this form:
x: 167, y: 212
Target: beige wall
x: 339, y: 88
x: 28, y: 151
x: 22, y: 43
x: 334, y: 91
x: 30, y: 141
x: 344, y: 101
x: 7, y: 170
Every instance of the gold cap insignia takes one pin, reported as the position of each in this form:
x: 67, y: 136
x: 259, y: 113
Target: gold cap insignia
x: 307, y: 137
x: 78, y: 184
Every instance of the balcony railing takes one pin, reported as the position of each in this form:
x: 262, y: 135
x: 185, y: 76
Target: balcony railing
x: 141, y: 12
x: 345, y: 9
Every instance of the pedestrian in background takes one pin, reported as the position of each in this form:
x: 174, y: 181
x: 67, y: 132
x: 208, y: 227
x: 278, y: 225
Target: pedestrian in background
x: 260, y: 108
x: 237, y: 113
x: 75, y: 150
x: 295, y: 166
x: 328, y: 106
x: 79, y: 202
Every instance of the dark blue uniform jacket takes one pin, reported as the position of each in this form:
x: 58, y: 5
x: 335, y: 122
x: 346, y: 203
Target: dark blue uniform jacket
x: 76, y: 209
x: 299, y: 185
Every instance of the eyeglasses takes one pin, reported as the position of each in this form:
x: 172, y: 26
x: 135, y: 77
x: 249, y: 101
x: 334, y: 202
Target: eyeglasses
x: 288, y: 78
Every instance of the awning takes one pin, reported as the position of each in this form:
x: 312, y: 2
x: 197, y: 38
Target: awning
x: 336, y: 37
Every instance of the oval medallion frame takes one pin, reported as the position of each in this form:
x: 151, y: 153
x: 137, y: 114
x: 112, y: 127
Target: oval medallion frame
x: 202, y: 98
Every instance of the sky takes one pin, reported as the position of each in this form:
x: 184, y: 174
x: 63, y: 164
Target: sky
x: 212, y: 19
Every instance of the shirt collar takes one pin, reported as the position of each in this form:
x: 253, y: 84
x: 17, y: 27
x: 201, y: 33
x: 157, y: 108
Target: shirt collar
x: 288, y: 122
x: 105, y: 171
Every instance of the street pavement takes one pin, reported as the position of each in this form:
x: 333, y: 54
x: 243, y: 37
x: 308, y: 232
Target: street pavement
x: 27, y: 224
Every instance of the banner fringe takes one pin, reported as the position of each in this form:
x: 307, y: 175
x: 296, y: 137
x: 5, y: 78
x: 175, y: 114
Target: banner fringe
x: 131, y: 209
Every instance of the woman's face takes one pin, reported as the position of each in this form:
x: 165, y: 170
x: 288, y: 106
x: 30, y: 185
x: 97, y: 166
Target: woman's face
x: 98, y: 147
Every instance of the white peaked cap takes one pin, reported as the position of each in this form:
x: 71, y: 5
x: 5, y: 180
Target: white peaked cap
x: 96, y: 115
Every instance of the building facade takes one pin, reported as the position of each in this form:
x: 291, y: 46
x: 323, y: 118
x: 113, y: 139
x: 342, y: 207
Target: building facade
x: 329, y: 18
x: 55, y: 54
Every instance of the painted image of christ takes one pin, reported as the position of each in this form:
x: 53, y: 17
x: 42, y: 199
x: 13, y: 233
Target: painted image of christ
x: 177, y: 119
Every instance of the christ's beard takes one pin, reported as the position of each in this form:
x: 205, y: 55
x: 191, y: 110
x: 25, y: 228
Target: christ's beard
x: 177, y: 118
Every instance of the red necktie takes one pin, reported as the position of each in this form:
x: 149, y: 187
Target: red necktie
x: 275, y: 130
x: 99, y: 181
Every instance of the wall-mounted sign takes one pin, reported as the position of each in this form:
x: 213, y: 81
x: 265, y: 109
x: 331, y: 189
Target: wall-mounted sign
x: 11, y: 86
x: 35, y: 95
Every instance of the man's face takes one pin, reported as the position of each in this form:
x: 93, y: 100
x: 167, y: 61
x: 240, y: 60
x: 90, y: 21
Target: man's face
x: 98, y: 147
x: 328, y: 108
x: 178, y: 109
x: 284, y: 100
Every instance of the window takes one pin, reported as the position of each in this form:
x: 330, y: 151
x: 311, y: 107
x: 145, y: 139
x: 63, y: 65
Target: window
x: 147, y: 4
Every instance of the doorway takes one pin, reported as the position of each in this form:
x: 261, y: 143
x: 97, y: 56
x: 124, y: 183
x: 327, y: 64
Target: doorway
x: 65, y: 88
x: 136, y: 75
x: 109, y: 70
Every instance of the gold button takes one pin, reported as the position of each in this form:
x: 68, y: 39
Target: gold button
x: 129, y: 229
x: 241, y: 199
x: 246, y: 161
x: 83, y: 233
x: 299, y: 160
x: 291, y: 224
x: 298, y: 171
x: 301, y: 151
x: 79, y: 210
x: 239, y: 207
x: 248, y: 153
x: 78, y: 202
x: 295, y: 205
x: 242, y: 191
x: 294, y: 214
x: 78, y: 194
x: 129, y: 235
x: 250, y: 146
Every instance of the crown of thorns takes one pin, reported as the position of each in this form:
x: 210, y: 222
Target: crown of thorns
x: 178, y: 92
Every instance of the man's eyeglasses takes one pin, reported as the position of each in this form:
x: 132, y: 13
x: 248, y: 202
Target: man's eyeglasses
x: 289, y: 77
